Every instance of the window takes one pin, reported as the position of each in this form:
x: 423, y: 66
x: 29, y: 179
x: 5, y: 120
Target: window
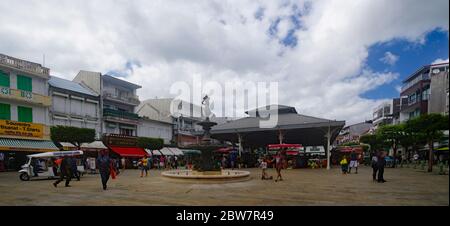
x: 25, y: 114
x: 5, y: 111
x: 24, y: 83
x: 4, y: 79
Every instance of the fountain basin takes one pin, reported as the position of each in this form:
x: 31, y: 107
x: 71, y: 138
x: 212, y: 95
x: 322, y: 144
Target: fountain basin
x: 205, y: 175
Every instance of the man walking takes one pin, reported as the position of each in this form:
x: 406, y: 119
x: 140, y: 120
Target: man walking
x: 353, y: 162
x: 374, y: 166
x: 381, y: 163
x: 104, y: 164
x: 66, y: 171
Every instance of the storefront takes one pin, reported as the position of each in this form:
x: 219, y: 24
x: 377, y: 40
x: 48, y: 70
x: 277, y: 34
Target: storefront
x: 19, y: 139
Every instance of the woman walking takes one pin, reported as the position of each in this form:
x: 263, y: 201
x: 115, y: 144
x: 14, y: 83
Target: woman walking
x: 279, y: 166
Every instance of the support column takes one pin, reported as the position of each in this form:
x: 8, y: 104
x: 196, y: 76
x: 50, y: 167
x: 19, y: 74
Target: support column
x: 328, y: 148
x: 240, y: 144
x: 280, y: 136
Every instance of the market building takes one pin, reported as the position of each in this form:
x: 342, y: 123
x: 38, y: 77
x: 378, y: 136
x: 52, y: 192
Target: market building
x: 24, y: 106
x: 291, y: 128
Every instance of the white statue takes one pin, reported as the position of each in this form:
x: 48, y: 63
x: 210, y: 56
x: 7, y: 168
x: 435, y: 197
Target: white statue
x: 206, y: 106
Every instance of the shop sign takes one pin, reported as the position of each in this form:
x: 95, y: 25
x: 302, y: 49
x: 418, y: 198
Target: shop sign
x: 21, y: 129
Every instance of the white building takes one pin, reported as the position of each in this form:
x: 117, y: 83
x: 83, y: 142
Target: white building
x: 118, y: 100
x: 155, y: 129
x: 74, y: 105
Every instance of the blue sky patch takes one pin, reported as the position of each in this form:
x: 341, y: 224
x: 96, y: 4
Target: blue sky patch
x: 411, y: 56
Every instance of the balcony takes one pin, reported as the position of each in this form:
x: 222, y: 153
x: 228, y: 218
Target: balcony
x: 26, y: 66
x: 133, y: 100
x: 120, y: 116
x: 25, y: 96
x: 415, y: 81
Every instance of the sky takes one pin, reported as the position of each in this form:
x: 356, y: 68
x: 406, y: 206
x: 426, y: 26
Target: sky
x: 334, y: 59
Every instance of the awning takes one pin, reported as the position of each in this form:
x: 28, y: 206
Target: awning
x: 93, y: 145
x: 8, y: 144
x: 190, y: 151
x: 176, y: 151
x: 67, y: 144
x: 133, y: 152
x: 166, y: 151
x: 156, y: 152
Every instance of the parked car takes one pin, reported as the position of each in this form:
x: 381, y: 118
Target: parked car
x: 389, y: 161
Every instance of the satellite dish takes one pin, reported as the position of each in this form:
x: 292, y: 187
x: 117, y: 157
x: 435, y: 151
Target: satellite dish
x: 436, y: 71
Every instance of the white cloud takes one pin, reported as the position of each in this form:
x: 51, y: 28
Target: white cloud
x: 440, y: 61
x: 389, y: 58
x: 398, y: 88
x: 324, y: 75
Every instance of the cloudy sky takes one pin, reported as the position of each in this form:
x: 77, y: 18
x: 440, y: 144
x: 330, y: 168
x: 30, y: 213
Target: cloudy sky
x: 334, y: 59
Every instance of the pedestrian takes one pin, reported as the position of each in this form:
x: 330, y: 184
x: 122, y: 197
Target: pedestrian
x: 175, y: 162
x: 353, y: 162
x: 279, y: 166
x: 104, y: 165
x: 374, y: 167
x: 65, y: 172
x: 344, y: 165
x: 161, y: 162
x: 264, y: 175
x: 123, y: 163
x: 73, y: 163
x: 381, y: 163
x: 144, y: 166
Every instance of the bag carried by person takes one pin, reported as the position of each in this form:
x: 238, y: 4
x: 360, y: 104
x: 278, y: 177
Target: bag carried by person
x: 113, y: 172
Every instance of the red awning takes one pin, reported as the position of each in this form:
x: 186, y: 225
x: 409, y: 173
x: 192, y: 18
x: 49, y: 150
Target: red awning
x: 129, y: 151
x: 292, y: 152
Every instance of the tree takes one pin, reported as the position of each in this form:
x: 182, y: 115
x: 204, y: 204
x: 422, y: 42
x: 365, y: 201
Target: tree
x: 73, y: 135
x: 431, y: 126
x: 150, y: 143
x: 373, y: 141
x: 411, y: 139
x: 391, y: 134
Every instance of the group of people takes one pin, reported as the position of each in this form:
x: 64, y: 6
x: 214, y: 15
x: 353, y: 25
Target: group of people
x: 279, y: 159
x: 68, y: 169
x: 346, y: 167
x: 378, y: 164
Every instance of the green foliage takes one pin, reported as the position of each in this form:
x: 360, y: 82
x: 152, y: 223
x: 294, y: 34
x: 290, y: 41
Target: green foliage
x: 150, y: 143
x: 373, y: 141
x: 73, y: 135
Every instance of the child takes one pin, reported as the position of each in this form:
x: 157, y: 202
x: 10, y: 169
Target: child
x: 264, y: 175
x: 344, y: 165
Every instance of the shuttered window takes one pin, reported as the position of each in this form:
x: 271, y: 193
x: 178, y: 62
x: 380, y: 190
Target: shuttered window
x: 4, y: 79
x: 25, y: 114
x: 24, y: 83
x: 5, y: 111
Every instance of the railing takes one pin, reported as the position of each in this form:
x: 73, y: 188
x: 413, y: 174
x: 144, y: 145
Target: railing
x: 131, y: 99
x: 21, y: 95
x: 415, y: 81
x: 24, y: 65
x: 120, y: 114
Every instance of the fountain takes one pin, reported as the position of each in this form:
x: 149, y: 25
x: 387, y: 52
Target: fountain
x: 206, y: 168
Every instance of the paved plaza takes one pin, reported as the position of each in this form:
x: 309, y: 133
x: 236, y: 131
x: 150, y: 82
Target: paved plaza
x: 405, y: 186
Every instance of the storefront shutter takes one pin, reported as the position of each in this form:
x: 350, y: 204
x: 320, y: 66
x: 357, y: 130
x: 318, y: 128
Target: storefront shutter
x: 25, y: 114
x: 24, y: 83
x: 5, y: 111
x: 4, y: 79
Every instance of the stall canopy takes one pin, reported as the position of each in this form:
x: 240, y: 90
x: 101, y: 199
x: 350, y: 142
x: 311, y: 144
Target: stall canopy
x: 93, y: 145
x: 176, y: 151
x: 166, y: 151
x: 190, y: 151
x: 132, y: 152
x: 67, y: 146
x: 156, y: 152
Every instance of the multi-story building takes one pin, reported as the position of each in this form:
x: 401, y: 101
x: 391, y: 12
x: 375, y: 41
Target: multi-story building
x: 183, y: 115
x: 155, y: 129
x: 74, y: 105
x: 118, y: 101
x: 388, y: 113
x: 352, y: 133
x: 438, y: 102
x: 417, y: 89
x: 24, y: 104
